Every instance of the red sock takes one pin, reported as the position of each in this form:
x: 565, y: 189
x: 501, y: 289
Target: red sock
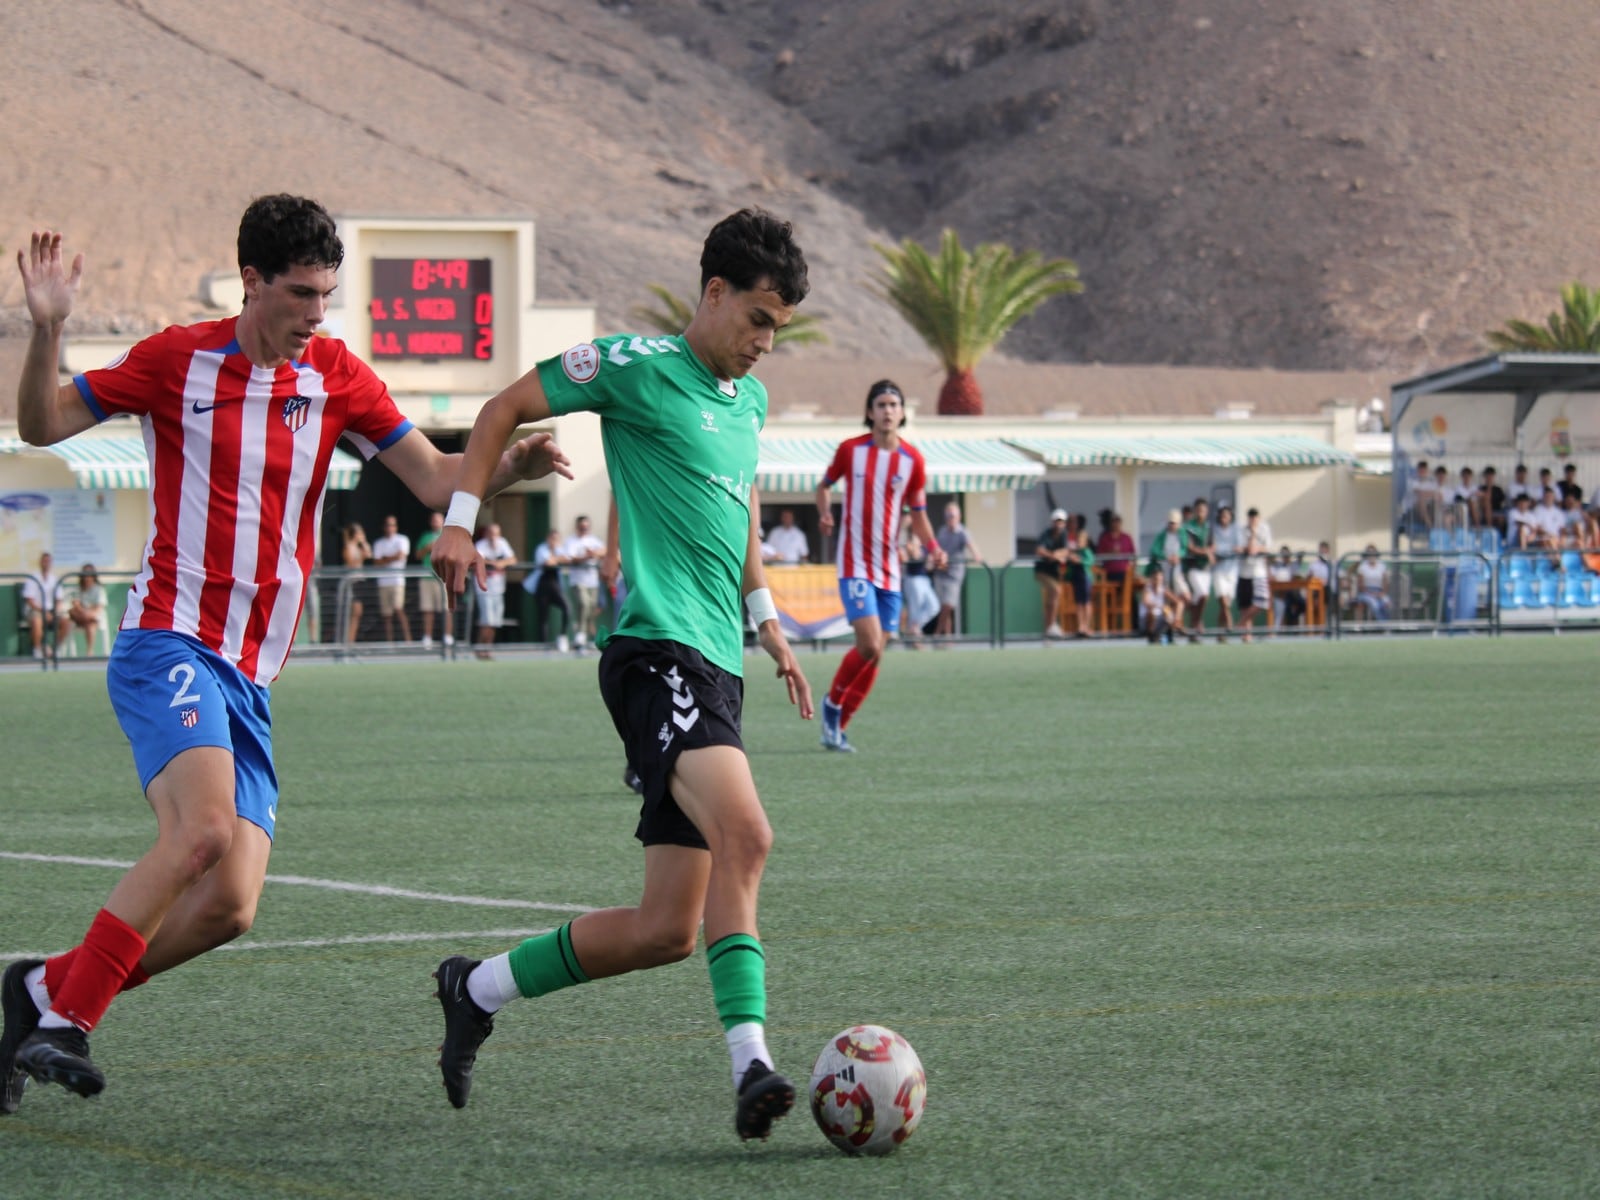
x: 100, y: 966
x: 58, y: 968
x: 859, y: 687
x: 846, y: 675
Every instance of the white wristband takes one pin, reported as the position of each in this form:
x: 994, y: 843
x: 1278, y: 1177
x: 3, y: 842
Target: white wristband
x: 761, y: 607
x: 463, y: 511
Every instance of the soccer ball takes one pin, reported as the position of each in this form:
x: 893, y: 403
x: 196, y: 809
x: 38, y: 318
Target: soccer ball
x: 868, y: 1090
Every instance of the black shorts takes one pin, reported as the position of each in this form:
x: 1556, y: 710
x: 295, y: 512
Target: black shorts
x: 1252, y: 593
x: 665, y: 698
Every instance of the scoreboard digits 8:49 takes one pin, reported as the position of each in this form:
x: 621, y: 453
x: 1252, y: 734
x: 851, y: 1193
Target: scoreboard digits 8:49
x: 432, y: 308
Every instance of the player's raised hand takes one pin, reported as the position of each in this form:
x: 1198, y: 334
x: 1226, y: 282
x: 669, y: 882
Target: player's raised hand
x: 536, y: 456
x: 49, y: 288
x: 454, y: 559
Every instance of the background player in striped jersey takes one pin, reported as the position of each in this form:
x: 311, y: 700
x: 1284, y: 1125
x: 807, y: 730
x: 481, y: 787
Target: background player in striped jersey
x: 680, y: 418
x: 240, y: 418
x: 882, y: 474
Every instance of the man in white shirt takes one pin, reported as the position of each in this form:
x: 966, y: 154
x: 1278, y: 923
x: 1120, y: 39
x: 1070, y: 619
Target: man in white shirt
x: 497, y: 556
x: 583, y: 552
x: 788, y: 540
x: 1467, y: 493
x: 1549, y: 519
x: 1254, y: 589
x: 41, y: 596
x: 1519, y: 485
x: 1522, y: 529
x: 1425, y: 499
x: 392, y: 550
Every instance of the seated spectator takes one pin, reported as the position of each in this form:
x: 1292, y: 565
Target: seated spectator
x: 1372, y: 585
x: 1493, y: 504
x: 1573, y: 520
x: 1115, y: 548
x: 1519, y: 485
x: 1320, y: 568
x: 1549, y: 519
x: 788, y: 541
x: 1289, y: 603
x: 1159, y: 608
x: 1422, y: 499
x: 1569, y: 483
x: 88, y: 608
x: 44, y: 605
x: 1447, y: 494
x: 1522, y: 530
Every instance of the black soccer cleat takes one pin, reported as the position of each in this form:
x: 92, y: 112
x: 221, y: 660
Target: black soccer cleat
x: 61, y: 1056
x: 764, y: 1096
x: 465, y: 1028
x: 21, y: 1018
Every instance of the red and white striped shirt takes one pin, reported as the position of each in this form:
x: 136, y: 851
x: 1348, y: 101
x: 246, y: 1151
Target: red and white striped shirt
x: 238, y: 459
x: 877, y: 485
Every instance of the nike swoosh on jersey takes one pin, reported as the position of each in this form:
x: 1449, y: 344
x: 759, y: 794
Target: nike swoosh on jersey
x: 206, y: 409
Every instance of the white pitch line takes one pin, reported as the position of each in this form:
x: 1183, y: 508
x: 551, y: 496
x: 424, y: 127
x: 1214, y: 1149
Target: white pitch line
x: 336, y: 885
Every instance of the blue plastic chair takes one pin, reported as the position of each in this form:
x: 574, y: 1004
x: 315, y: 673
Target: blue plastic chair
x: 1489, y: 542
x: 1549, y: 590
x: 1438, y: 539
x: 1572, y: 562
x: 1588, y: 590
x: 1523, y: 595
x: 1543, y: 568
x: 1517, y: 566
x: 1571, y: 591
x: 1508, y: 592
x: 1465, y: 539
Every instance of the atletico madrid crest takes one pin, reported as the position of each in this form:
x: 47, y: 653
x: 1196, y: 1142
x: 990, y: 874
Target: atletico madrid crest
x: 189, y: 717
x: 295, y: 411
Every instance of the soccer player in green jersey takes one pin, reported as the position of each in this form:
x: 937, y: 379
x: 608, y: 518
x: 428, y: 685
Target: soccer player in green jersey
x: 680, y: 419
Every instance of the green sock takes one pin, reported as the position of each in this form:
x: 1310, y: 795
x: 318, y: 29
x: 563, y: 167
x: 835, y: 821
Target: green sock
x: 546, y: 963
x: 738, y: 979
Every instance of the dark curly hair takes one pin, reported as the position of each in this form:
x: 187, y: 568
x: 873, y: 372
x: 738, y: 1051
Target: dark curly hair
x: 753, y: 248
x: 277, y: 232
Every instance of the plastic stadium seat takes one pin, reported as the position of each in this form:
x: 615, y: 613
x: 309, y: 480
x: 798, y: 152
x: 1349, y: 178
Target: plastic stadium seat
x: 1523, y: 596
x: 1549, y: 589
x: 1517, y: 566
x: 1589, y: 591
x: 1543, y: 568
x: 1508, y: 592
x: 1489, y: 542
x: 1571, y: 562
x: 1465, y: 539
x: 1438, y: 539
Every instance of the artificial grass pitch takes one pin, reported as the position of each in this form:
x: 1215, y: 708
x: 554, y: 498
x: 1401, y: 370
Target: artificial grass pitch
x: 1277, y: 920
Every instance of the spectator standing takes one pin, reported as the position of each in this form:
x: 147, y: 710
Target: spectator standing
x: 1080, y: 567
x: 1115, y: 549
x: 922, y: 603
x: 1493, y: 502
x: 497, y: 556
x: 87, y: 611
x: 1372, y: 585
x: 583, y: 552
x: 959, y: 550
x: 430, y: 592
x: 788, y: 541
x: 1569, y: 485
x: 1197, y: 561
x: 355, y: 553
x: 392, y: 550
x: 1166, y: 556
x: 1227, y: 543
x: 544, y: 581
x: 46, y: 608
x: 1255, y: 591
x: 1050, y: 570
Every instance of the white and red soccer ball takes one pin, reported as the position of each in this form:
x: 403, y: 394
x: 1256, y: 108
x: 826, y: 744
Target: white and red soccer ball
x: 868, y: 1090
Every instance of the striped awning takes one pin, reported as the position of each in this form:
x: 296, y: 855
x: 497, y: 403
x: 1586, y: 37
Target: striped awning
x: 1155, y: 450
x: 101, y: 463
x: 979, y: 465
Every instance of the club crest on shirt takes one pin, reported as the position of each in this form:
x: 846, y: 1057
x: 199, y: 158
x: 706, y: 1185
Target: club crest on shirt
x: 189, y: 717
x: 296, y: 409
x: 581, y: 363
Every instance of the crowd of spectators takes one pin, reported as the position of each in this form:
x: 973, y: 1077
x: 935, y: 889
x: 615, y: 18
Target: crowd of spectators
x: 1546, y: 513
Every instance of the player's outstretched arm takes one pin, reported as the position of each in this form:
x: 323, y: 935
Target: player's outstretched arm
x: 47, y: 412
x: 454, y: 556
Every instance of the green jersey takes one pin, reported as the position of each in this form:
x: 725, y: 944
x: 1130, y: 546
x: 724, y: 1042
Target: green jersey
x: 681, y: 450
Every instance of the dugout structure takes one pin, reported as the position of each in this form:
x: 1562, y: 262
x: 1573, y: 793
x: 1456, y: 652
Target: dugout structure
x: 1541, y: 410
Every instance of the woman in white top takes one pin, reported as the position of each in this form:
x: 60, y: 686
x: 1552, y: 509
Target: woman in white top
x: 88, y: 608
x: 1372, y: 585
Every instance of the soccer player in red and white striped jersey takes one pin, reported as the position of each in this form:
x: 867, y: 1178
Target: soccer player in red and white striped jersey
x: 239, y: 418
x: 883, y: 474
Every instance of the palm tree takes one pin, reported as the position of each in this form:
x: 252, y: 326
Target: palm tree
x: 962, y: 304
x: 1573, y: 330
x: 675, y: 314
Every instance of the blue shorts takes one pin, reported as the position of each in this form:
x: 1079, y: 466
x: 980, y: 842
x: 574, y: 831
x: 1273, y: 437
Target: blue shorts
x: 862, y: 599
x: 171, y: 694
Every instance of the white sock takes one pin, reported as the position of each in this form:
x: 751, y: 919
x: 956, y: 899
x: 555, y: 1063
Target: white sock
x: 53, y: 1020
x: 492, y: 984
x: 34, y: 980
x: 747, y: 1042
